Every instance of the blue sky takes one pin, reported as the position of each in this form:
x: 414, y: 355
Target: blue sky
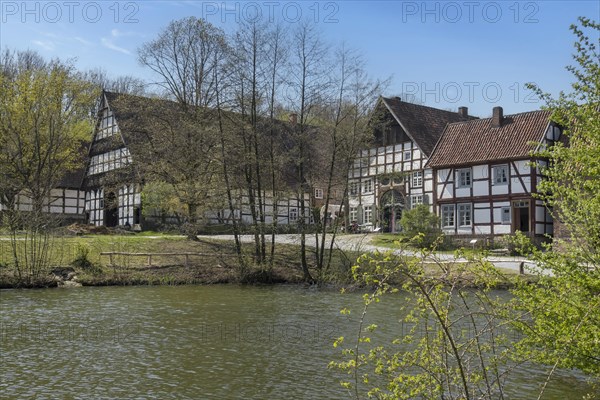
x: 447, y: 53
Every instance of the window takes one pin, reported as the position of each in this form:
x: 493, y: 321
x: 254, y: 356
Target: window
x: 353, y: 214
x: 415, y: 200
x: 464, y: 215
x: 417, y: 179
x: 108, y: 161
x: 368, y: 186
x: 318, y: 193
x: 293, y: 214
x: 368, y: 214
x: 407, y: 155
x: 448, y: 216
x: 521, y: 204
x: 107, y: 125
x: 463, y: 177
x: 505, y: 212
x: 353, y: 189
x: 500, y: 175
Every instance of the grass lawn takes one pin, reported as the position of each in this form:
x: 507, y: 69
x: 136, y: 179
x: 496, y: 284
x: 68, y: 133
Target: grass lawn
x: 216, y: 262
x: 213, y: 261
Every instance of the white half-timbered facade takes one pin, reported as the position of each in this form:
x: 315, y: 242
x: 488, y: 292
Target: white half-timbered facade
x: 392, y: 175
x: 66, y: 201
x: 112, y: 197
x: 485, y: 178
x: 287, y: 211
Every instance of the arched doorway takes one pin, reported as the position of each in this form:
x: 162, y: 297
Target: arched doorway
x: 392, y: 204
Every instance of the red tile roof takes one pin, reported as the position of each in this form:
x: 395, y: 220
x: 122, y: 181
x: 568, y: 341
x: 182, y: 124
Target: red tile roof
x: 423, y: 124
x: 478, y: 141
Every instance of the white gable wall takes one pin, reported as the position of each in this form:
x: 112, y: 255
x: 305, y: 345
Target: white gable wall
x: 405, y: 158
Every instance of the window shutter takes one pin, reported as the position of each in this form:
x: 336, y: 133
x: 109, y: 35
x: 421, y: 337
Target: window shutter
x: 408, y: 202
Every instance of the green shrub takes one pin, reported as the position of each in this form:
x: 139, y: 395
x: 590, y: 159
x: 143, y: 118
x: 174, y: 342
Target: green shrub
x: 420, y: 221
x: 82, y: 261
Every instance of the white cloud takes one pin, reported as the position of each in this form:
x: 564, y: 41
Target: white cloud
x: 82, y: 41
x: 47, y: 45
x: 110, y: 45
x: 117, y: 33
x: 51, y: 35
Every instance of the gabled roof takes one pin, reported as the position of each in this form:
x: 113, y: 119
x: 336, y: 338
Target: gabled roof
x: 479, y: 141
x: 73, y: 179
x: 132, y: 113
x: 424, y: 125
x: 140, y: 118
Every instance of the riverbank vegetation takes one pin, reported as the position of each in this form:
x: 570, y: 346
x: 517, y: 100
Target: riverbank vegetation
x: 157, y: 259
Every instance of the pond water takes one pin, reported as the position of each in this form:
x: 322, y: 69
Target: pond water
x: 196, y: 342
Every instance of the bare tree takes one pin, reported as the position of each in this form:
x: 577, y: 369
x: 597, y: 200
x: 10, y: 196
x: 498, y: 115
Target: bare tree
x: 247, y: 61
x: 174, y: 146
x: 344, y: 127
x: 121, y: 84
x: 184, y: 57
x: 277, y: 55
x: 307, y: 82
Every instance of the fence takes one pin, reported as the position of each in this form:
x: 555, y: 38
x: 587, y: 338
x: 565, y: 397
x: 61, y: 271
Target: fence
x: 187, y: 256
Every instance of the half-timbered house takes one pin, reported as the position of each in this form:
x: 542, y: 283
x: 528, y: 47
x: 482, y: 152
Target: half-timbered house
x: 112, y: 192
x: 485, y: 178
x: 392, y: 176
x: 113, y: 181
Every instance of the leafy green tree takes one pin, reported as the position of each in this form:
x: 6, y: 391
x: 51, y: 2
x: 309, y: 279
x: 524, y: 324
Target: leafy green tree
x: 561, y: 320
x: 559, y: 316
x: 160, y: 201
x: 44, y: 122
x: 420, y: 221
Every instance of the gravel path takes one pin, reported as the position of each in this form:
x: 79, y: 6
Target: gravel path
x: 362, y: 243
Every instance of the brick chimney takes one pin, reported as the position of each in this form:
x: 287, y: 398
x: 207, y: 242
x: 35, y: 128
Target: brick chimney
x: 497, y: 117
x: 463, y: 112
x: 293, y: 118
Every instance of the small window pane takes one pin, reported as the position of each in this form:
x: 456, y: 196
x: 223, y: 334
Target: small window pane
x: 464, y: 214
x: 448, y: 216
x: 417, y: 179
x: 463, y: 176
x: 505, y: 215
x: 500, y: 175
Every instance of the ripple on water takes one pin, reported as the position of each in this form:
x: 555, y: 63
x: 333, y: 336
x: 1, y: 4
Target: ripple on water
x: 217, y: 342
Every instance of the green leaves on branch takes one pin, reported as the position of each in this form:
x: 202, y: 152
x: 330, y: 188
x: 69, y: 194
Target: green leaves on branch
x: 453, y: 345
x: 562, y: 322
